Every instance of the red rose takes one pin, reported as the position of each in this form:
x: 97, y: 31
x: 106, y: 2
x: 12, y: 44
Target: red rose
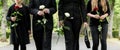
x: 16, y: 7
x: 96, y: 9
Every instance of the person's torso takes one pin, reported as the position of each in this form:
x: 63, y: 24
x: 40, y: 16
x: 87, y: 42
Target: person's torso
x: 72, y: 7
x: 94, y: 21
x: 21, y: 17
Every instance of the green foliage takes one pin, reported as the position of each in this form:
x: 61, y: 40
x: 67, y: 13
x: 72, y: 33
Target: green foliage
x: 115, y: 34
x: 0, y: 3
x: 116, y: 15
x: 0, y: 17
x: 7, y: 32
x: 57, y: 1
x: 9, y: 2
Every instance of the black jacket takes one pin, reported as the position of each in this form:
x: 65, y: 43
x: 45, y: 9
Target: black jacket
x: 76, y: 8
x: 34, y: 8
x: 94, y: 21
x: 23, y: 25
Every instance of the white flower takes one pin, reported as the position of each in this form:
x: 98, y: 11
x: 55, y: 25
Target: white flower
x: 44, y: 20
x: 15, y: 24
x: 38, y: 21
x: 67, y: 14
x: 41, y: 6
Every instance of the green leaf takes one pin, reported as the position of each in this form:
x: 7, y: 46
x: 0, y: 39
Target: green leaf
x: 65, y: 27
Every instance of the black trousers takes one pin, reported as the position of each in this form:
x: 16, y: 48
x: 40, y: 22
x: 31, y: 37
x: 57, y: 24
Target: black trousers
x: 38, y: 35
x: 22, y: 46
x: 72, y: 35
x: 102, y: 35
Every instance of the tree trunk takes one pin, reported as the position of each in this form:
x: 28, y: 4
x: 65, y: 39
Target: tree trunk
x: 119, y: 28
x: 3, y: 21
x: 110, y: 25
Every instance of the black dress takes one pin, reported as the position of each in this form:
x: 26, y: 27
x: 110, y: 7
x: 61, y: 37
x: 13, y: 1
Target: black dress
x: 94, y: 21
x: 19, y: 34
x: 95, y: 24
x: 77, y: 11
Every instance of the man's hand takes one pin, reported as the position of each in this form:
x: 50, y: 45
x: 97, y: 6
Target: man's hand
x: 46, y: 10
x: 40, y: 13
x: 29, y: 31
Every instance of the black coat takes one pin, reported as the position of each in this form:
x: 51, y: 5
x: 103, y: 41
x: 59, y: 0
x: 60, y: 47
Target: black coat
x: 34, y: 6
x: 76, y: 8
x: 94, y: 21
x: 23, y: 25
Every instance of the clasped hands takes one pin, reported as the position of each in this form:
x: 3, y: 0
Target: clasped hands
x: 99, y: 17
x: 43, y: 12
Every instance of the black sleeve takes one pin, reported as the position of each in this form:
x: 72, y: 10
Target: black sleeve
x: 108, y: 9
x: 53, y: 8
x: 88, y: 7
x: 32, y: 7
x: 28, y: 18
x: 60, y: 10
x: 9, y: 14
x: 83, y: 10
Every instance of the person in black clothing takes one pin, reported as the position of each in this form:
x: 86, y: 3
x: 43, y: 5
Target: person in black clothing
x: 71, y: 14
x: 19, y: 17
x: 98, y: 10
x: 42, y: 11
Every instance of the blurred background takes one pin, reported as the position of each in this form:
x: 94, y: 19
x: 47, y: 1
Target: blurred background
x: 113, y: 30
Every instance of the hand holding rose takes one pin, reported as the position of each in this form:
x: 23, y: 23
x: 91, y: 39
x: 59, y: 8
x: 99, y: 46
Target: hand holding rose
x: 13, y: 19
x: 96, y: 17
x: 46, y: 10
x: 43, y: 10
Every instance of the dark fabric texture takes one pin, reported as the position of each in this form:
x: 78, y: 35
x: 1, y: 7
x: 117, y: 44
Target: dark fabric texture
x: 23, y: 25
x: 42, y: 40
x: 22, y: 47
x: 77, y: 11
x: 94, y: 21
x: 72, y: 35
x: 76, y: 8
x: 102, y: 35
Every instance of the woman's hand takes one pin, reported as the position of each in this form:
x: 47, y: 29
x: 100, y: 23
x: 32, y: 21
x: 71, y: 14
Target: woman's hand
x: 103, y: 16
x: 13, y: 19
x: 85, y: 24
x: 96, y: 16
x: 93, y: 16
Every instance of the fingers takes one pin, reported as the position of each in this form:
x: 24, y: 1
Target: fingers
x: 40, y: 13
x: 85, y: 24
x: 29, y: 31
x: 13, y: 19
x: 46, y: 10
x: 61, y: 23
x: 102, y: 17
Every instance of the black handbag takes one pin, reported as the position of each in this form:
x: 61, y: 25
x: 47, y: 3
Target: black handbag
x: 86, y: 39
